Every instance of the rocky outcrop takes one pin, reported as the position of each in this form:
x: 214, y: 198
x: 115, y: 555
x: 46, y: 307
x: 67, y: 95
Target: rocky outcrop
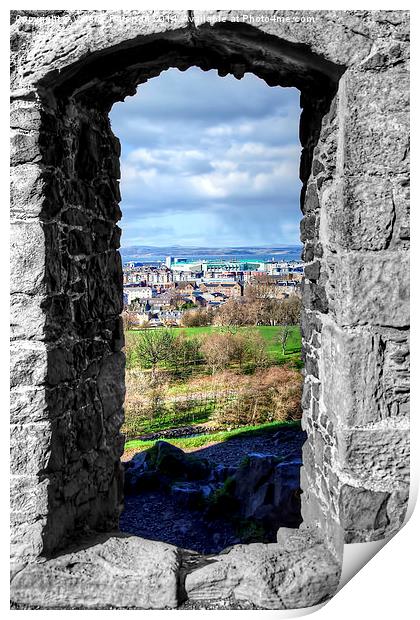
x: 161, y: 465
x: 263, y: 493
x: 269, y: 491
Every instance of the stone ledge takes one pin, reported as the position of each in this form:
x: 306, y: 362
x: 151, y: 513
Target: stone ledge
x: 111, y: 571
x: 295, y: 572
x: 121, y: 571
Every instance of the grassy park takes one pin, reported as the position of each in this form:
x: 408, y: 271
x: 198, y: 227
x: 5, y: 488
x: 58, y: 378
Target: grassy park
x: 220, y: 381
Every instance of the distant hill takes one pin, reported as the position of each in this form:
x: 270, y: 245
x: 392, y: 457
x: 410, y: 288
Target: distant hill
x: 153, y: 254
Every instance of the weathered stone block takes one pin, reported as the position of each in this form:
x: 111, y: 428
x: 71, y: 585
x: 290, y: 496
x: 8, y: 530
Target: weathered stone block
x: 111, y: 386
x: 378, y: 143
x: 319, y: 518
x: 401, y: 199
x: 27, y: 318
x: 311, y: 197
x: 24, y: 148
x: 30, y: 448
x: 79, y: 242
x: 312, y: 271
x: 364, y: 217
x: 27, y: 539
x: 117, y: 571
x: 377, y: 456
x: 361, y: 509
x: 371, y: 515
x: 310, y: 323
x: 377, y: 122
x: 377, y: 92
x: 314, y: 296
x: 372, y: 289
x: 351, y: 375
x: 28, y: 498
x: 26, y: 190
x: 271, y: 576
x: 308, y: 227
x: 61, y: 365
x: 382, y: 361
x: 28, y: 405
x: 28, y: 364
x: 24, y: 116
x: 396, y: 377
x: 27, y: 257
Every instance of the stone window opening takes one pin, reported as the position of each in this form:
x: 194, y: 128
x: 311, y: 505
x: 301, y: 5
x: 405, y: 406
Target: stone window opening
x: 68, y: 366
x: 193, y: 515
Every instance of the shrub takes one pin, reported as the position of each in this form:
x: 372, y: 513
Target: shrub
x: 256, y: 350
x: 271, y: 395
x: 218, y: 350
x: 197, y: 318
x: 144, y: 399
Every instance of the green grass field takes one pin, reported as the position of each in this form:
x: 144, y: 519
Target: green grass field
x: 268, y: 332
x: 200, y: 407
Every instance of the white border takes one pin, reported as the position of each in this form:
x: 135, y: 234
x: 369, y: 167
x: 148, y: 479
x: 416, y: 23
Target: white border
x: 387, y: 586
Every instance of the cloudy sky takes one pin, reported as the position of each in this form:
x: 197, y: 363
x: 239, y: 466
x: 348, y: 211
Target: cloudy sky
x: 209, y: 161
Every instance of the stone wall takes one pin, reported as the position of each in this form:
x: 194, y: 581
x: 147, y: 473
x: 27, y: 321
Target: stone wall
x: 68, y: 68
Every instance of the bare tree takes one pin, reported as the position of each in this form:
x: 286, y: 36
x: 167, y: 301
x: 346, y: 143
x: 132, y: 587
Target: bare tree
x: 129, y: 320
x: 288, y: 311
x: 257, y: 349
x: 153, y: 346
x: 285, y: 332
x: 217, y: 349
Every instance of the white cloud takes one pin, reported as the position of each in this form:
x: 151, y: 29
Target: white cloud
x: 210, y: 157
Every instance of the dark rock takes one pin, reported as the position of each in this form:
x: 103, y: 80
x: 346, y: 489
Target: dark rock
x: 268, y: 491
x: 287, y: 492
x: 134, y: 470
x: 174, y: 463
x: 307, y: 227
x: 80, y: 242
x: 221, y: 472
x: 312, y: 270
x: 191, y: 495
x: 317, y: 167
x: 149, y: 481
x: 168, y: 459
x: 156, y: 467
x: 311, y: 198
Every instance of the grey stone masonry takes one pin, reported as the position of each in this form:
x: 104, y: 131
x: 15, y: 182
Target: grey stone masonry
x: 67, y: 377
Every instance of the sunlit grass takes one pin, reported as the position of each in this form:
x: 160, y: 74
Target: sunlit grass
x: 199, y: 441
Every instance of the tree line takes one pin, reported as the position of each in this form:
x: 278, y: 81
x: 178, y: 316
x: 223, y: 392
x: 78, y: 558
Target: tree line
x: 151, y: 348
x: 249, y: 310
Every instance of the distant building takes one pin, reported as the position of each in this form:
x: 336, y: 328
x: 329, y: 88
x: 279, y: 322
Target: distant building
x: 131, y: 293
x: 185, y: 288
x: 228, y: 289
